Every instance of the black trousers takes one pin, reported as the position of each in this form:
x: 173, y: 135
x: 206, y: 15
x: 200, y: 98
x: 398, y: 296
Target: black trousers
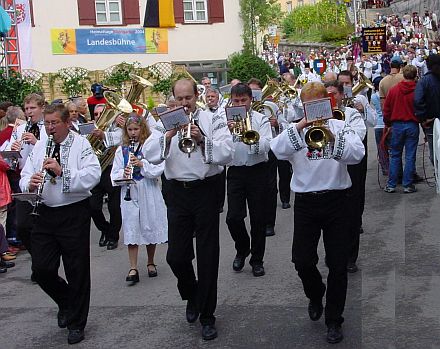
x: 358, y: 176
x: 284, y: 176
x: 248, y: 184
x: 222, y: 193
x: 64, y: 232
x: 326, y: 212
x: 109, y: 229
x: 195, y: 209
x: 25, y: 223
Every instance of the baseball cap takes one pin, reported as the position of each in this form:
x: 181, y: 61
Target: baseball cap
x: 396, y: 59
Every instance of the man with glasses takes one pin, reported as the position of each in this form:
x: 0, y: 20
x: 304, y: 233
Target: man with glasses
x: 62, y: 227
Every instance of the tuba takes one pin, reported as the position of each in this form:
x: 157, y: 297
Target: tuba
x: 357, y: 88
x: 116, y: 105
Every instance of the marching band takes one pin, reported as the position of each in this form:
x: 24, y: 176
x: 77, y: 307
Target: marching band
x: 167, y: 185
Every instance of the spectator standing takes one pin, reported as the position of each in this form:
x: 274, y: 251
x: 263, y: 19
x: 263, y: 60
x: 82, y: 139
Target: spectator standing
x: 398, y: 112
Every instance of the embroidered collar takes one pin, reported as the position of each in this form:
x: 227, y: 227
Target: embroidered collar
x: 68, y: 140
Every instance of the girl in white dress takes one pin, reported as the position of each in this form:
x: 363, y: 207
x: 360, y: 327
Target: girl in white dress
x: 144, y: 219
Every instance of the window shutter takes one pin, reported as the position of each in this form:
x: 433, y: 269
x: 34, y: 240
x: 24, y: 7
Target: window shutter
x: 130, y: 10
x: 86, y: 12
x: 216, y: 12
x: 178, y: 11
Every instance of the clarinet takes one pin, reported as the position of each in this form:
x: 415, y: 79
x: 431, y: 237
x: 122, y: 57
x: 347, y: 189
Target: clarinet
x: 15, y: 161
x: 130, y: 152
x: 44, y: 173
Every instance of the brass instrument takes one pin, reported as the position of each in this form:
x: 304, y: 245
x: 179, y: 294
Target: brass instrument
x: 115, y: 105
x: 186, y: 144
x: 249, y: 136
x: 357, y: 88
x: 318, y: 136
x: 130, y: 153
x: 43, y: 171
x: 138, y: 84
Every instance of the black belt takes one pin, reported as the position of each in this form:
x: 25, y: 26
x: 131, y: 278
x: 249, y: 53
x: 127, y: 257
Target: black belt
x: 321, y: 192
x: 194, y: 184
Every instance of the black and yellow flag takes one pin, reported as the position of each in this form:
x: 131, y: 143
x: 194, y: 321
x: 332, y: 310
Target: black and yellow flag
x: 159, y: 14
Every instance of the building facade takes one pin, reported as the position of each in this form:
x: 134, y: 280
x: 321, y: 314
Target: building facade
x: 289, y: 5
x: 68, y: 33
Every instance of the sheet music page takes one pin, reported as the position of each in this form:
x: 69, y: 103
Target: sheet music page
x: 174, y: 118
x: 236, y: 113
x: 87, y: 128
x: 320, y: 109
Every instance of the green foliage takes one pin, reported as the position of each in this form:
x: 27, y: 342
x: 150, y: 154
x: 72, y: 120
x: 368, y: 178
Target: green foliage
x: 15, y: 87
x: 121, y: 74
x: 324, y: 14
x: 256, y: 16
x: 161, y: 85
x: 150, y: 103
x: 336, y: 33
x: 74, y: 81
x: 244, y: 66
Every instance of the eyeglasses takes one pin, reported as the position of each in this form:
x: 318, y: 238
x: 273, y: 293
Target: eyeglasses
x: 52, y: 123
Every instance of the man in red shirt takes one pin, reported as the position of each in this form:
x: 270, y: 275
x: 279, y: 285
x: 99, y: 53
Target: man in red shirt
x: 398, y: 113
x: 97, y: 98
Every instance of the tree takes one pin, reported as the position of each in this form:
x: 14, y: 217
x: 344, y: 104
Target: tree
x: 244, y: 66
x: 256, y: 16
x: 14, y: 87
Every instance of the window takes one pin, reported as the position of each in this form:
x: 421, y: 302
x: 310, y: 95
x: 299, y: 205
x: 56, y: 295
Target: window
x: 289, y: 6
x: 195, y: 11
x: 108, y: 12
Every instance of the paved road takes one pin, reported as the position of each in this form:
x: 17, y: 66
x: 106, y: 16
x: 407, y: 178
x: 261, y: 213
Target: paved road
x: 392, y: 302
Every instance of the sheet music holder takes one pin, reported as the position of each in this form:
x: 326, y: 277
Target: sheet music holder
x: 10, y: 154
x: 86, y: 128
x: 124, y: 181
x: 174, y: 118
x: 235, y: 113
x: 320, y: 109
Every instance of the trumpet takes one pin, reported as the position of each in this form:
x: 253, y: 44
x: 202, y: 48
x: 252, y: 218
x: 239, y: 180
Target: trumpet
x: 130, y: 153
x: 186, y: 144
x: 43, y: 171
x: 243, y: 130
x: 318, y: 136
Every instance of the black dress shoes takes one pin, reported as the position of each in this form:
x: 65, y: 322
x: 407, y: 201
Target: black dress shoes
x: 352, y: 268
x: 209, y: 332
x: 133, y: 277
x: 258, y: 270
x: 3, y: 270
x: 285, y: 205
x: 238, y: 263
x: 315, y: 310
x: 270, y: 231
x: 334, y: 333
x: 102, y: 240
x: 75, y: 336
x: 192, y: 314
x: 111, y: 245
x: 62, y: 318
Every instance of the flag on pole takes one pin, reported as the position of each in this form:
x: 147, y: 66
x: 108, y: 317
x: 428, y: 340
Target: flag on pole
x: 159, y: 14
